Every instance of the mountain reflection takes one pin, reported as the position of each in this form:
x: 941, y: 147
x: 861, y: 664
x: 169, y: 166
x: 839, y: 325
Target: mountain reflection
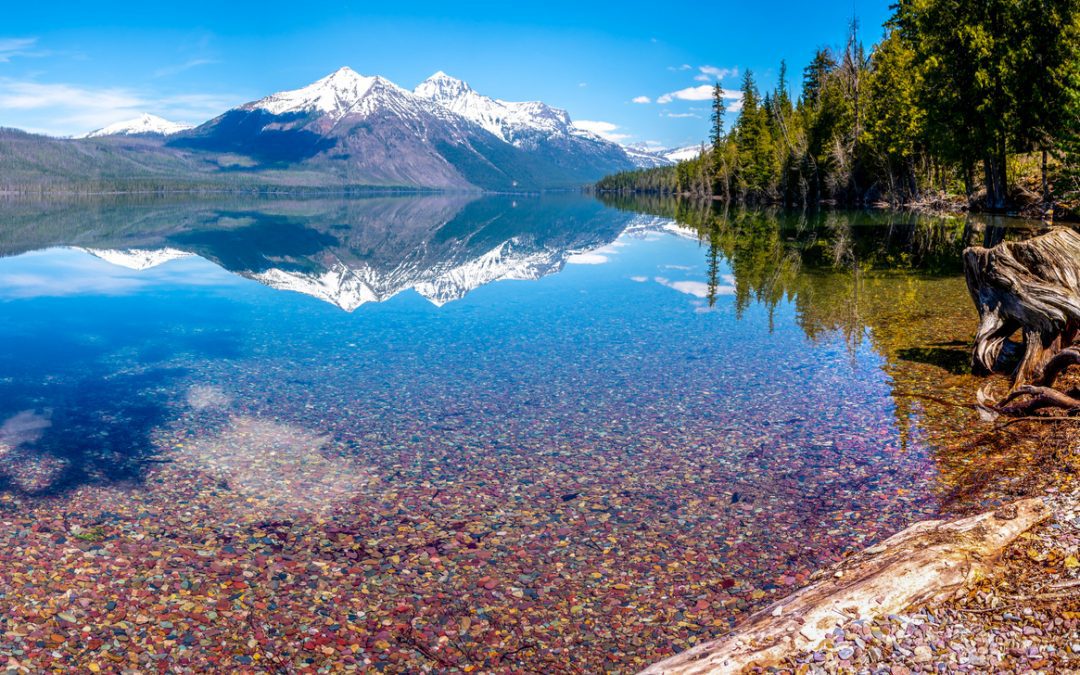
x: 347, y: 253
x: 88, y: 385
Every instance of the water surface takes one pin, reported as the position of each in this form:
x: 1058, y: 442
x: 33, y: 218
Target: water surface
x: 451, y: 432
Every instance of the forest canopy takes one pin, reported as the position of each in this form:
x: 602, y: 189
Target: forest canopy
x: 971, y: 100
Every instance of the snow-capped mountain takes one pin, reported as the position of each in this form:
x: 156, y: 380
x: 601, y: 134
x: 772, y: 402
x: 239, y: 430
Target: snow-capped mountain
x: 367, y: 130
x: 518, y: 123
x: 143, y: 125
x: 682, y: 154
x: 343, y: 93
x: 645, y: 157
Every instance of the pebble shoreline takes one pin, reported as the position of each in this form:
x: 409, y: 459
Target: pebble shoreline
x: 1024, y: 619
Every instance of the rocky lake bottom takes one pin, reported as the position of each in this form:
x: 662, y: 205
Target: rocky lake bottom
x: 458, y: 434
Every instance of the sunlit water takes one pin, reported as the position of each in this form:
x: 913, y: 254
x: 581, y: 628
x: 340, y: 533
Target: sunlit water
x: 440, y: 432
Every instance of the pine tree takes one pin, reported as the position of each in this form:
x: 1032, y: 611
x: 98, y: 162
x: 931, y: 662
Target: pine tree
x: 718, y: 109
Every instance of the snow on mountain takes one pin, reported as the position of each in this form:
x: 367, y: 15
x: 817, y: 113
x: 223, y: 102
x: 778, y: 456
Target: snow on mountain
x: 368, y: 130
x: 682, y: 154
x: 344, y: 92
x: 513, y: 122
x: 360, y: 129
x: 645, y: 157
x: 334, y: 95
x: 137, y: 258
x: 144, y: 124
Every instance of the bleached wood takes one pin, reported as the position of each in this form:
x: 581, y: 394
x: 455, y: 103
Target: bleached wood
x: 926, y: 562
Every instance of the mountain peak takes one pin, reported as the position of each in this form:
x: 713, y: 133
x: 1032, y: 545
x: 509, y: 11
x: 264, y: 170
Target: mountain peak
x: 343, y: 75
x: 143, y: 124
x: 442, y: 88
x: 334, y: 95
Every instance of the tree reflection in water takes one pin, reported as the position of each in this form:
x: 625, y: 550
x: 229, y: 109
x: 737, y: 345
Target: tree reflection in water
x: 892, y: 280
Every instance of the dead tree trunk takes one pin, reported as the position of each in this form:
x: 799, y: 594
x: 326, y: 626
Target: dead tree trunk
x: 1031, y: 287
x: 928, y: 561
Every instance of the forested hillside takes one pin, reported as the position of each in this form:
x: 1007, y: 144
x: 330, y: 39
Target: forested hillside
x: 973, y: 101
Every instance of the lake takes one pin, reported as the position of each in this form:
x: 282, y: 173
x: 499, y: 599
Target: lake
x: 529, y: 434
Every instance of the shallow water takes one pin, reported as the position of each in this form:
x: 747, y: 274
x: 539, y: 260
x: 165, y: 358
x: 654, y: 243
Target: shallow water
x: 440, y: 432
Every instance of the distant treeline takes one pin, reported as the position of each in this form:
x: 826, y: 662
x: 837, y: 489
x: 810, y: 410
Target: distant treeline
x: 962, y: 98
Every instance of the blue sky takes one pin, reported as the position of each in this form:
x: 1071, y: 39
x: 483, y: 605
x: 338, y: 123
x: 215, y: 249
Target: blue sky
x: 77, y: 66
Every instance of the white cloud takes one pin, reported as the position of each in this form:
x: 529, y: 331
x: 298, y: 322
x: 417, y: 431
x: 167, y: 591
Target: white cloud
x: 682, y: 115
x: 734, y: 106
x: 595, y: 257
x: 10, y: 47
x: 685, y: 66
x: 587, y: 259
x: 641, y: 99
x: 605, y: 130
x: 65, y: 109
x: 33, y: 95
x: 717, y: 73
x: 698, y: 289
x: 702, y: 92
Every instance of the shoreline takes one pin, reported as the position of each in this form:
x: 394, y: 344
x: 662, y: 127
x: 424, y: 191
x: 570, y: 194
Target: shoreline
x: 939, y: 595
x: 936, y: 206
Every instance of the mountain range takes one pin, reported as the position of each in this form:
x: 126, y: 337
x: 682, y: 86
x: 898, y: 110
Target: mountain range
x: 345, y: 130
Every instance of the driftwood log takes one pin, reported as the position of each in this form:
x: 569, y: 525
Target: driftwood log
x: 1031, y: 287
x: 926, y: 562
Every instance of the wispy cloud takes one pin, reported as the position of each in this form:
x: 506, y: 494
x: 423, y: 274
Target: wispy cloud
x: 10, y: 47
x: 681, y: 115
x: 605, y: 130
x: 595, y: 257
x: 641, y: 99
x: 685, y: 66
x: 712, y: 72
x: 702, y: 92
x: 66, y: 109
x: 587, y: 259
x: 33, y: 95
x: 698, y: 289
x: 181, y: 67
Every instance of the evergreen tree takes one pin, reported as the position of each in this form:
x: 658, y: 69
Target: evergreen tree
x: 718, y: 109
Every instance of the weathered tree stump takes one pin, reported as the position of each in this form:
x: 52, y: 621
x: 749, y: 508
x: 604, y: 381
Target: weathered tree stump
x: 928, y: 561
x: 1031, y: 287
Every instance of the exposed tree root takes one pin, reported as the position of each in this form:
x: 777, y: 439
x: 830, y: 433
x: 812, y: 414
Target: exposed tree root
x: 1058, y: 364
x: 1038, y: 398
x: 1031, y: 287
